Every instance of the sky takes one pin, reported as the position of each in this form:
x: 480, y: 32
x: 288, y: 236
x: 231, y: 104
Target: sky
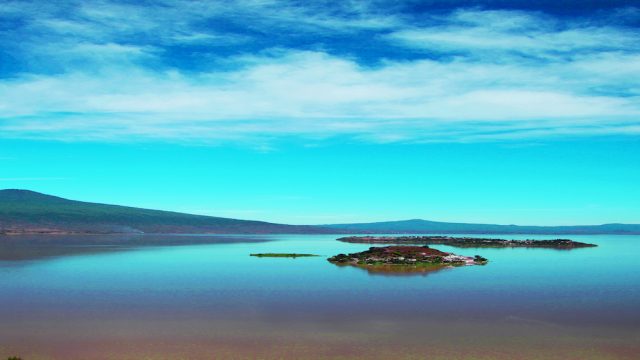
x: 314, y: 112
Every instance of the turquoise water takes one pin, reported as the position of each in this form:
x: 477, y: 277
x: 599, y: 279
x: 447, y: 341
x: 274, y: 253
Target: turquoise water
x: 58, y: 299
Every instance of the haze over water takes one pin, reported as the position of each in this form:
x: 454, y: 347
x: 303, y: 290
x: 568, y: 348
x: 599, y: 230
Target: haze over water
x: 214, y: 300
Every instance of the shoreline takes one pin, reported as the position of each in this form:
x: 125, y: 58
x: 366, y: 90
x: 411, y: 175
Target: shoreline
x: 466, y: 242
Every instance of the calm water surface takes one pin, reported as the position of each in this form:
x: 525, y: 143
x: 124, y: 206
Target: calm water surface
x: 131, y: 298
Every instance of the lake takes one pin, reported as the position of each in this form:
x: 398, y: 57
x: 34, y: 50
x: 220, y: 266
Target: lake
x: 123, y: 297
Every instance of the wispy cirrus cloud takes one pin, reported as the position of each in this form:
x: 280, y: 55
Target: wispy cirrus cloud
x: 498, y: 36
x: 205, y: 72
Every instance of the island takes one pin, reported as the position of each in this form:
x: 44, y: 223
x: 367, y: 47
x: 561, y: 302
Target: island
x: 466, y: 242
x: 406, y: 256
x: 281, y: 255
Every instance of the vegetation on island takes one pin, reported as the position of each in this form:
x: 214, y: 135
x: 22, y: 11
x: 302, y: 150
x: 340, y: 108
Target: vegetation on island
x: 405, y: 256
x: 285, y: 255
x: 466, y: 242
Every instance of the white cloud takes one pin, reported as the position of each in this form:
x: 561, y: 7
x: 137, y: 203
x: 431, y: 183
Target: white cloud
x: 303, y: 94
x: 493, y: 33
x: 584, y: 82
x: 180, y: 21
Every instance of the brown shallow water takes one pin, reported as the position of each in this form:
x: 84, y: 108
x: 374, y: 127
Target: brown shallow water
x: 215, y: 301
x: 207, y: 339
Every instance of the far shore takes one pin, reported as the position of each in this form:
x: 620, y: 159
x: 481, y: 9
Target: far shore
x: 466, y: 242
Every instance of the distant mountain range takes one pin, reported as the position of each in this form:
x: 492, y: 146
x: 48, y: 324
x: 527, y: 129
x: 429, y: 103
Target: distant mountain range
x: 29, y: 212
x: 435, y: 227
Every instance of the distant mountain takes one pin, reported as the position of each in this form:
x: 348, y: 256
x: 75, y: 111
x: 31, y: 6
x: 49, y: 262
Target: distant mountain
x: 435, y: 227
x: 24, y: 211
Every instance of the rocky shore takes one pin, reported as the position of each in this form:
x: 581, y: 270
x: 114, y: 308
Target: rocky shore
x: 406, y: 255
x: 466, y: 242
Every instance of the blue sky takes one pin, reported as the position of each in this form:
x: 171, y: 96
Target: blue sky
x: 314, y: 112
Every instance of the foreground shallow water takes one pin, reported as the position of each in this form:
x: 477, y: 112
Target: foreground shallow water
x: 135, y: 298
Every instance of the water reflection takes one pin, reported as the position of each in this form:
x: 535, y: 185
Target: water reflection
x: 215, y: 301
x: 33, y: 247
x: 398, y: 270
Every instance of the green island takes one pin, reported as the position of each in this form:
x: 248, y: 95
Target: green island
x: 405, y: 257
x: 466, y: 242
x: 282, y: 255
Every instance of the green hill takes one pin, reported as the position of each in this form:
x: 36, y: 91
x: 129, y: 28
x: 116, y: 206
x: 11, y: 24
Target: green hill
x: 24, y: 211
